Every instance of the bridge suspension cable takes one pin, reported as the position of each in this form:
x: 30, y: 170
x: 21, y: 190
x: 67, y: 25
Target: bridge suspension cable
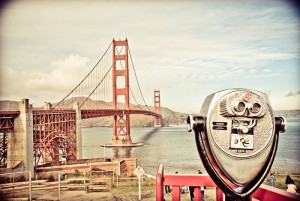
x: 137, y: 78
x: 101, y: 79
x: 88, y: 85
x: 95, y: 89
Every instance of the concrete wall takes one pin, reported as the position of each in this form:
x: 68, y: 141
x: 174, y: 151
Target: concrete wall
x: 20, y: 142
x: 47, y: 106
x: 78, y: 131
x: 128, y: 165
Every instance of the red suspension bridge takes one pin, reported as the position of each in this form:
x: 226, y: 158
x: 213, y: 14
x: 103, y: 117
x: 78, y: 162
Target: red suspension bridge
x: 29, y: 137
x: 33, y: 136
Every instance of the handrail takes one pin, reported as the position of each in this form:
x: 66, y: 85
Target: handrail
x: 270, y: 193
x: 264, y: 192
x: 160, y: 183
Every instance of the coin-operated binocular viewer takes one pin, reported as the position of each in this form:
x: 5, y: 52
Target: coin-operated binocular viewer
x: 237, y: 137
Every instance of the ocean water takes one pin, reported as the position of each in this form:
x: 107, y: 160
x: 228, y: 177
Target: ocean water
x: 176, y: 149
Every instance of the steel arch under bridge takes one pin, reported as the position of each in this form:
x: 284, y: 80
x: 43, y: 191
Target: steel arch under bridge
x: 54, y: 131
x: 54, y: 135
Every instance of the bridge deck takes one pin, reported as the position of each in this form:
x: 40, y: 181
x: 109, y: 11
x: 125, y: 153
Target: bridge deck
x: 7, y: 119
x: 88, y: 113
x: 9, y: 114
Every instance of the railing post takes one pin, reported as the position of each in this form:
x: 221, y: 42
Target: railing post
x: 30, y: 195
x: 113, y: 172
x: 219, y: 194
x: 160, y: 183
x: 90, y: 171
x: 59, y: 185
x: 176, y: 193
x: 117, y: 180
x: 197, y: 194
x: 13, y: 185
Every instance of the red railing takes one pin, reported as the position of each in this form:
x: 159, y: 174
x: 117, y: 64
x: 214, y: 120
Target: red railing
x: 264, y: 192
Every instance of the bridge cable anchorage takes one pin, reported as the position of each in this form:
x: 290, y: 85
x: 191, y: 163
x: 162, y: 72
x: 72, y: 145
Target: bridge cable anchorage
x: 137, y: 78
x: 83, y: 78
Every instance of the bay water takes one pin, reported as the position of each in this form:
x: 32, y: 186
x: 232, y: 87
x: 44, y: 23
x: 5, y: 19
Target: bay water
x: 176, y: 148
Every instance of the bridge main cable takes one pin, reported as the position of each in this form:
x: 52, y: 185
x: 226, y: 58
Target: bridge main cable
x: 137, y: 78
x: 84, y: 77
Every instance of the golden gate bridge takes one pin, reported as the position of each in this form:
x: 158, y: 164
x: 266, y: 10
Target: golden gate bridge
x: 31, y: 136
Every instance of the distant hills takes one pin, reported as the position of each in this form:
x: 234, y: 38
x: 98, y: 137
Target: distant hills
x: 170, y: 117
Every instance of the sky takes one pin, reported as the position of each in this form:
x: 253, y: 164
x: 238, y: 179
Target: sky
x: 186, y: 49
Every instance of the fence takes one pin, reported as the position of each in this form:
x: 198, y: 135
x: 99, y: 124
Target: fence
x: 264, y: 192
x: 20, y: 182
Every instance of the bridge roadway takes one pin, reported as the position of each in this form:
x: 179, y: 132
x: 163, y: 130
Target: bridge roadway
x: 49, y: 129
x: 85, y: 114
x: 7, y: 117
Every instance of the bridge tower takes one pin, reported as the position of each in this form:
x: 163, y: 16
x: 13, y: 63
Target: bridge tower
x: 120, y: 83
x: 157, y: 122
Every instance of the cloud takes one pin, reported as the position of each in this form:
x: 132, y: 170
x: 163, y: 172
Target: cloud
x: 52, y: 84
x: 291, y: 93
x: 180, y: 48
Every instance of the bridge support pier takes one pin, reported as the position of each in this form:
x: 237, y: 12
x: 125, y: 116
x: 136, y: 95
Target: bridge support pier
x: 76, y: 106
x: 121, y: 135
x: 20, y: 141
x: 120, y: 142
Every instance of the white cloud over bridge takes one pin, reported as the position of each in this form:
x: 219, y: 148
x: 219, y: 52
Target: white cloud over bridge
x: 186, y: 49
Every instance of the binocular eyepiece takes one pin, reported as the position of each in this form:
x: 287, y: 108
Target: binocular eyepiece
x: 237, y: 136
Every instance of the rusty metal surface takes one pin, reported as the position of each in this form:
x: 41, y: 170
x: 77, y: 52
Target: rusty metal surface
x: 55, y: 130
x: 3, y: 148
x: 53, y: 111
x: 54, y: 135
x: 7, y: 119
